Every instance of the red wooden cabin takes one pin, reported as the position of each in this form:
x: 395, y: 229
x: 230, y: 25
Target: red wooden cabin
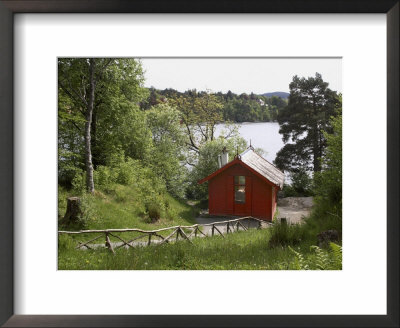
x: 246, y: 186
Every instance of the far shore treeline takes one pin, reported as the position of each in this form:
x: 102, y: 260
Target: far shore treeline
x: 236, y: 108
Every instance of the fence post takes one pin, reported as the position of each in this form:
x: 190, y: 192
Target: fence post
x: 108, y: 243
x: 212, y: 231
x: 227, y: 228
x: 149, y: 242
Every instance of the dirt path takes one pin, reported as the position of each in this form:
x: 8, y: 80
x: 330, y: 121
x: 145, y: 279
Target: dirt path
x: 294, y: 208
x: 223, y: 226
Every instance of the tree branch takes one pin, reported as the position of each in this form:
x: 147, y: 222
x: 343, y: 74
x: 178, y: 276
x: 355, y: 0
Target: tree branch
x: 70, y: 95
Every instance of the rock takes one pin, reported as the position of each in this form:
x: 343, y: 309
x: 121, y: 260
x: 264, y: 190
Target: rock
x: 325, y: 237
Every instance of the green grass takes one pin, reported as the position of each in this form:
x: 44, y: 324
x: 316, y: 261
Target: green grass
x: 245, y: 250
x: 277, y: 248
x: 121, y: 209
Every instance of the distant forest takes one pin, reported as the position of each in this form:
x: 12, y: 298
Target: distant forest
x: 235, y: 108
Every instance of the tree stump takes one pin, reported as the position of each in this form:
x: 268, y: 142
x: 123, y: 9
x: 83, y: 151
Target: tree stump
x: 74, y: 211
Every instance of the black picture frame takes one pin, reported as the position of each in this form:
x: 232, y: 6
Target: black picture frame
x: 10, y: 7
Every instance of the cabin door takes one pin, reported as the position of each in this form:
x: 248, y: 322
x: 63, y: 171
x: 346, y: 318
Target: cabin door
x: 241, y: 195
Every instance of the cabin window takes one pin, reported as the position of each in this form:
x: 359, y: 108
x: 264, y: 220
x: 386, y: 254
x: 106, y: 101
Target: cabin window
x: 240, y: 189
x: 240, y: 180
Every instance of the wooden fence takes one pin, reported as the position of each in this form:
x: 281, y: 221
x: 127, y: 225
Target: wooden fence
x: 177, y: 231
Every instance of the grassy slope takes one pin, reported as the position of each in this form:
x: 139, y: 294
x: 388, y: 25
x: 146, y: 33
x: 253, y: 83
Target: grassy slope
x: 243, y: 250
x: 120, y: 210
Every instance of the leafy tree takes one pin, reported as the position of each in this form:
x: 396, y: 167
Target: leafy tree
x: 78, y: 79
x: 302, y: 122
x: 97, y: 105
x: 168, y: 153
x: 207, y: 162
x: 200, y: 115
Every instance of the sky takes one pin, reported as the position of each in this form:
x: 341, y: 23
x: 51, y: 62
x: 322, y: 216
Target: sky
x: 240, y: 75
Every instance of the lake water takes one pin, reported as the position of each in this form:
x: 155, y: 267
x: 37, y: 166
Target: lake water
x: 263, y: 135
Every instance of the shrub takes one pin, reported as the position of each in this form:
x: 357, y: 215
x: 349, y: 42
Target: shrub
x: 79, y: 182
x: 154, y: 210
x: 104, y: 178
x: 283, y: 234
x: 126, y: 172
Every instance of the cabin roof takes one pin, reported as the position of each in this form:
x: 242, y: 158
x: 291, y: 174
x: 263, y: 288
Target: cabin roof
x: 255, y: 163
x: 262, y: 166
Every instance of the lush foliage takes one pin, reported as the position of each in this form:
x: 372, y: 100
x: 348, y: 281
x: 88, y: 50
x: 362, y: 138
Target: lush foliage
x: 123, y: 138
x: 116, y: 123
x: 328, y: 182
x: 168, y: 151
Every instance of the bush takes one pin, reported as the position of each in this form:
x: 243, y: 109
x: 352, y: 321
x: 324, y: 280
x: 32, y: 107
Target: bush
x: 154, y: 210
x: 126, y: 172
x: 283, y: 234
x: 104, y: 178
x: 79, y: 182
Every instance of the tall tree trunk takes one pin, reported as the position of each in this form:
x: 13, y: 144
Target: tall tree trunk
x: 88, y: 124
x: 93, y: 132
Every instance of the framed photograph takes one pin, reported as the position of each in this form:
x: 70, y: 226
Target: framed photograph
x: 173, y: 163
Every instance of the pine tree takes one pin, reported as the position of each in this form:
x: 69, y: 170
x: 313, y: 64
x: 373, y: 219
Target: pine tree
x: 310, y: 106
